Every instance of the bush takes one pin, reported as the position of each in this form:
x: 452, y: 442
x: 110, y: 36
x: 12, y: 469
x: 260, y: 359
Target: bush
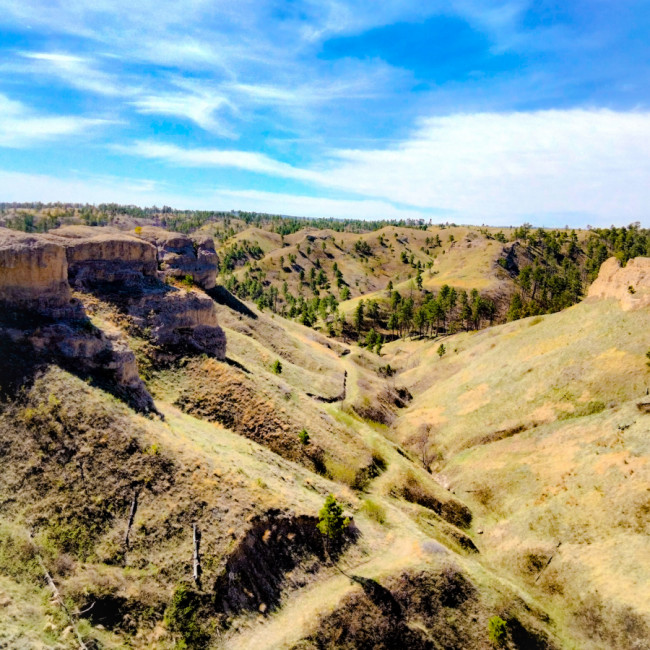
x: 497, y: 630
x: 276, y: 367
x: 331, y: 522
x: 182, y: 618
x: 374, y: 511
x: 303, y: 436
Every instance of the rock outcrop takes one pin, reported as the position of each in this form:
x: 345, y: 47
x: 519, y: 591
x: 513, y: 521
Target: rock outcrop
x: 179, y: 321
x: 34, y: 275
x: 98, y: 255
x: 102, y: 353
x: 179, y: 256
x: 630, y: 284
x: 37, y: 273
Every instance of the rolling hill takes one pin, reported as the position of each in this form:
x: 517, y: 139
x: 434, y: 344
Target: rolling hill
x: 496, y: 491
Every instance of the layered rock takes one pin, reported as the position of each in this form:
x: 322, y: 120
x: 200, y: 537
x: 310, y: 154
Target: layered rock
x: 179, y: 256
x: 93, y: 351
x: 630, y: 285
x: 99, y: 255
x: 34, y: 275
x: 178, y: 319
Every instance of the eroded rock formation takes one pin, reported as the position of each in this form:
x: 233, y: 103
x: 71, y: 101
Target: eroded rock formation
x: 630, y: 285
x: 34, y: 275
x: 37, y: 273
x: 97, y: 255
x: 179, y: 256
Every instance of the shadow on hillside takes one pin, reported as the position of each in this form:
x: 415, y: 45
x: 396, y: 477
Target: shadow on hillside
x: 75, y: 345
x: 236, y: 364
x: 222, y: 296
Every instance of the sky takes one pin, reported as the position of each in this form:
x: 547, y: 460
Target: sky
x: 468, y: 111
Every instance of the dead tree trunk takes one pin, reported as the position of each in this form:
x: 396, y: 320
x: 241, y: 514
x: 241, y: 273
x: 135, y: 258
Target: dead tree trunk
x: 134, y: 507
x: 57, y: 595
x: 197, y: 560
x: 549, y: 561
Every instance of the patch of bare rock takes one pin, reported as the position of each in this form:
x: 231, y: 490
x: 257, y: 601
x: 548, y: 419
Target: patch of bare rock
x: 629, y: 284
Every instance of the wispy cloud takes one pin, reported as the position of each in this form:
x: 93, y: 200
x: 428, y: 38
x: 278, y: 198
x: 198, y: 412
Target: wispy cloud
x: 79, y: 72
x: 21, y: 127
x: 489, y: 166
x: 199, y: 108
x: 249, y: 161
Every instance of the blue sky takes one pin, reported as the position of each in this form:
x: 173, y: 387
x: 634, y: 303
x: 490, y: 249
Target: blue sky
x: 455, y: 110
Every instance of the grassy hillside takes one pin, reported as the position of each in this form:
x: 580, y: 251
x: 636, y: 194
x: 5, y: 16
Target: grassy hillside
x: 227, y: 457
x: 540, y: 427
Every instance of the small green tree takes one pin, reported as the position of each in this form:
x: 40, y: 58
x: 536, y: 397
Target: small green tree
x: 497, y: 630
x: 358, y: 317
x: 276, y: 367
x: 303, y: 436
x: 331, y: 522
x: 441, y: 350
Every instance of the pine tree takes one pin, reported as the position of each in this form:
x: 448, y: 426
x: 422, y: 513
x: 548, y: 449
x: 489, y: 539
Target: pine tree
x: 331, y: 522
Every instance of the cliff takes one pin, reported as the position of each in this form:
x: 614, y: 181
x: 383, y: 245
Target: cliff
x: 38, y: 273
x: 98, y: 255
x: 630, y: 284
x: 34, y: 275
x: 180, y: 256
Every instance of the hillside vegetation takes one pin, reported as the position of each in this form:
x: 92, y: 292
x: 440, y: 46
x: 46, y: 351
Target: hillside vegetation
x: 495, y: 477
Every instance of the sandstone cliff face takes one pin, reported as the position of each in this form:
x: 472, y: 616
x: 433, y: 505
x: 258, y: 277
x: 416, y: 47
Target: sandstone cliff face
x: 98, y: 255
x: 179, y: 256
x: 34, y: 275
x: 630, y: 285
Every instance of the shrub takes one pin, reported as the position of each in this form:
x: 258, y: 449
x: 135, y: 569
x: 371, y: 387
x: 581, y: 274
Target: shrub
x: 303, y: 436
x: 497, y: 630
x: 276, y: 367
x: 182, y: 617
x: 441, y: 350
x: 374, y: 511
x: 188, y: 281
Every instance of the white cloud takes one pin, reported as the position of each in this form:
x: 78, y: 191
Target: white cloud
x: 197, y: 108
x: 246, y: 160
x: 482, y: 167
x: 311, y: 206
x: 78, y: 72
x: 21, y: 127
x: 510, y: 165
